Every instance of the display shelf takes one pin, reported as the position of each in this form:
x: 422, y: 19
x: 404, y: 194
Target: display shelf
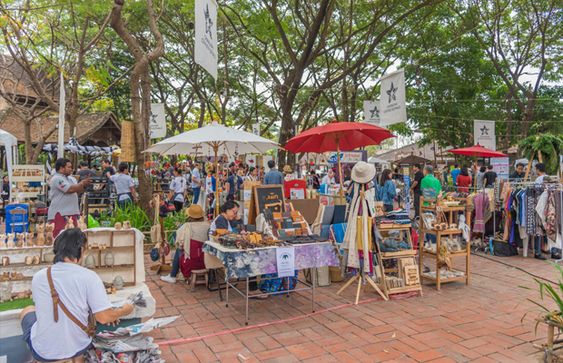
x: 22, y: 264
x: 452, y: 254
x: 404, y: 253
x: 26, y: 194
x: 25, y: 278
x: 24, y: 179
x: 403, y: 260
x: 452, y: 215
x: 444, y: 232
x: 129, y: 265
x: 28, y: 248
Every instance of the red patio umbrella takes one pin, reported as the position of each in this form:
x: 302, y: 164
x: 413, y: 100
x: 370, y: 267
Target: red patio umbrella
x: 338, y: 136
x: 478, y: 151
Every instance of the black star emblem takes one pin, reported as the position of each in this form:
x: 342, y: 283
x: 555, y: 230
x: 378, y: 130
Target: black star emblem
x: 153, y: 118
x: 208, y: 22
x: 374, y: 113
x: 392, y: 93
x: 484, y: 130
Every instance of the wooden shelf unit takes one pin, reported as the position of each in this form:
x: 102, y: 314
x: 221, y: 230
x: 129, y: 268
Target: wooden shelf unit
x: 451, y: 213
x: 113, y: 243
x: 402, y: 258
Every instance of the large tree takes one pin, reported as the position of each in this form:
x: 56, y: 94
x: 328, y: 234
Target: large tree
x: 140, y: 82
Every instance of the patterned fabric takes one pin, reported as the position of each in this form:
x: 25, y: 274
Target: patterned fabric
x: 275, y: 284
x: 530, y: 212
x: 481, y: 204
x: 551, y: 217
x: 261, y: 261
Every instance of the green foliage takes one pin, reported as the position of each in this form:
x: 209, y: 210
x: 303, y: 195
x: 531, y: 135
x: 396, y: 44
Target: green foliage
x: 550, y: 146
x: 134, y: 214
x: 173, y: 221
x: 554, y: 295
x: 16, y: 304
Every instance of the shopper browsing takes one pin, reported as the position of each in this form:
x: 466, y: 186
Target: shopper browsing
x: 69, y: 300
x: 463, y: 181
x: 329, y: 178
x: 63, y: 194
x: 274, y: 176
x: 490, y: 177
x: 196, y: 183
x: 124, y: 186
x: 455, y: 172
x: 386, y: 190
x: 178, y: 189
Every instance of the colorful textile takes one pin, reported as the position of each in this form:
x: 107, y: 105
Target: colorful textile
x: 261, y: 261
x: 481, y: 204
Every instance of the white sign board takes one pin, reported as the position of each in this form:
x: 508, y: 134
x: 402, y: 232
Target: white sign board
x: 392, y: 102
x: 501, y: 166
x: 371, y: 112
x: 157, y: 122
x: 484, y: 132
x: 346, y: 157
x: 285, y: 257
x: 205, y: 53
x: 256, y: 129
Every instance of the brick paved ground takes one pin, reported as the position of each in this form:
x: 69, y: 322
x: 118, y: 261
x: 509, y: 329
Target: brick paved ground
x: 480, y: 322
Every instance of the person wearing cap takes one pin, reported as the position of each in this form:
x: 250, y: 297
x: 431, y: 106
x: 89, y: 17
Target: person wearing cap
x: 193, y: 231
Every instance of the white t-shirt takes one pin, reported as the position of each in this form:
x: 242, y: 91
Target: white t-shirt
x: 178, y: 185
x: 123, y: 184
x: 197, y: 176
x: 539, y: 180
x: 62, y: 202
x: 80, y: 290
x: 328, y: 180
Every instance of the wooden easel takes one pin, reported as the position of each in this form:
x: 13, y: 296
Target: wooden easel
x: 362, y: 276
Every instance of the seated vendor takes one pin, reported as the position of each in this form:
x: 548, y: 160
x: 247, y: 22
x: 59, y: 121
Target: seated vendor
x: 227, y: 220
x: 68, y: 299
x: 195, y: 229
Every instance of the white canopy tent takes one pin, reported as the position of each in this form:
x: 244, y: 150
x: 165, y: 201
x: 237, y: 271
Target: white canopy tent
x: 213, y: 139
x: 10, y: 143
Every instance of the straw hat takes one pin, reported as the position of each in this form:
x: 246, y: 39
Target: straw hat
x: 194, y: 211
x: 363, y: 172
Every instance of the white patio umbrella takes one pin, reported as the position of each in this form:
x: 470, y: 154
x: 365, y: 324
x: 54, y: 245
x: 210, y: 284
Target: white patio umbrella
x: 212, y: 139
x: 10, y: 143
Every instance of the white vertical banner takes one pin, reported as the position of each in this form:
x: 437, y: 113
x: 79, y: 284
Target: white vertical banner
x: 157, y: 122
x: 484, y: 133
x: 205, y: 53
x: 392, y: 102
x: 62, y: 109
x: 371, y: 112
x: 256, y: 129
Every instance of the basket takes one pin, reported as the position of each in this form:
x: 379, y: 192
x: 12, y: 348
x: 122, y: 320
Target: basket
x: 335, y: 274
x: 127, y: 142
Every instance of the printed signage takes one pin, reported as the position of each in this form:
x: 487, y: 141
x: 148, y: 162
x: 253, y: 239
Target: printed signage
x: 285, y: 257
x: 157, y: 122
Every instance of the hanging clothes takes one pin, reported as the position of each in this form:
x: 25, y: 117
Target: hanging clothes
x: 481, y: 204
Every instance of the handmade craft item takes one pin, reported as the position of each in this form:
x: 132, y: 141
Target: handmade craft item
x: 69, y: 223
x: 10, y: 240
x: 20, y: 239
x: 40, y: 239
x: 118, y: 282
x: 28, y: 260
x: 108, y: 259
x: 36, y: 260
x: 2, y: 240
x: 5, y: 261
x: 126, y: 225
x: 49, y: 228
x: 411, y: 275
x: 49, y: 257
x: 117, y: 226
x: 29, y: 239
x: 82, y: 223
x: 89, y: 261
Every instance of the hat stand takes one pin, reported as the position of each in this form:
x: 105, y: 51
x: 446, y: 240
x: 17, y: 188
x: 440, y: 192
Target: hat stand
x: 362, y: 277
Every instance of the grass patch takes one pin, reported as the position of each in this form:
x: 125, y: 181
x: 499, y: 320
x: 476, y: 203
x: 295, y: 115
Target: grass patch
x: 16, y: 304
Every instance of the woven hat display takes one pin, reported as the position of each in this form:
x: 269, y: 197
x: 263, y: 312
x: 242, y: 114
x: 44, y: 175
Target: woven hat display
x: 127, y: 142
x: 363, y: 172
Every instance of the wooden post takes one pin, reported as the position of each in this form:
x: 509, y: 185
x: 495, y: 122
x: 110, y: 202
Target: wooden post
x: 529, y: 167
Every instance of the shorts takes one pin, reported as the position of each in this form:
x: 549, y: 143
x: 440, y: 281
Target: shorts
x: 27, y: 322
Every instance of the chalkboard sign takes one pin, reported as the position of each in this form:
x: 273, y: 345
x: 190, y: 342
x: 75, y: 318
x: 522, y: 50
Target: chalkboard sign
x: 268, y: 197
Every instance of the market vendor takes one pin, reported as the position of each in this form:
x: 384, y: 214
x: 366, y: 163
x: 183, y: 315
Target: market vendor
x: 124, y: 186
x: 228, y: 218
x: 63, y: 195
x: 60, y: 326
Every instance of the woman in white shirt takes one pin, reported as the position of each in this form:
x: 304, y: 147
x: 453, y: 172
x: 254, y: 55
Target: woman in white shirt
x: 178, y: 189
x: 329, y: 178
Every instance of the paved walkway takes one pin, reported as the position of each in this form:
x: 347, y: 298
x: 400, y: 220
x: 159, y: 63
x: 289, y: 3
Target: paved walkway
x: 488, y: 321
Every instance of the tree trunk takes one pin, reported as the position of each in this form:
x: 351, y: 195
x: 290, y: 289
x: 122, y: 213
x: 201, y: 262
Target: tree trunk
x: 28, y: 144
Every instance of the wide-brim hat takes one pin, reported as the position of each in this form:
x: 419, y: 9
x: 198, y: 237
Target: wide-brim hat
x: 363, y: 172
x: 194, y: 211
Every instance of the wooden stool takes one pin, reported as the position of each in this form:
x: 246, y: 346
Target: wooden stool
x: 199, y: 277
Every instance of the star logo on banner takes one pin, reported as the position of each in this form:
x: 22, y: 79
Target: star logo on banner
x: 208, y: 22
x: 392, y: 93
x: 153, y: 119
x: 484, y: 130
x: 374, y: 113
